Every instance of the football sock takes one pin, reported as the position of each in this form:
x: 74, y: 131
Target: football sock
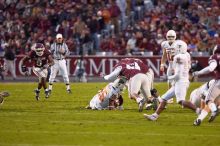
x: 67, y: 86
x: 212, y: 107
x: 138, y: 99
x: 198, y: 111
x: 203, y: 114
x: 50, y: 87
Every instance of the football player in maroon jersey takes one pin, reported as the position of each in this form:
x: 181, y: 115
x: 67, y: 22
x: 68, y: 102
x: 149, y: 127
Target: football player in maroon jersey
x: 41, y: 59
x: 214, y: 89
x: 139, y: 76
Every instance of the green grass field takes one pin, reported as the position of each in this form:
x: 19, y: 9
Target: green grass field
x: 62, y: 120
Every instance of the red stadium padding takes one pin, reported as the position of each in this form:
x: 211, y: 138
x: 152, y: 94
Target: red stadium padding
x: 94, y: 65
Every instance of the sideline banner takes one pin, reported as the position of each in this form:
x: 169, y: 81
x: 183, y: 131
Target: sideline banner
x: 94, y: 65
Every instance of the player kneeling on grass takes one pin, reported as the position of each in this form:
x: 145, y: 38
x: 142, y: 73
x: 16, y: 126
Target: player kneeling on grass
x: 197, y: 96
x: 180, y: 81
x: 42, y: 60
x: 109, y: 97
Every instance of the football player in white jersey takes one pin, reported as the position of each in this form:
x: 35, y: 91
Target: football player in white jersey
x: 214, y: 90
x: 109, y: 97
x: 180, y: 84
x: 197, y: 96
x: 170, y: 48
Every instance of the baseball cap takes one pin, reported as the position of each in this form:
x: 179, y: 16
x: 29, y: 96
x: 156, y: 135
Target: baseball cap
x: 59, y: 36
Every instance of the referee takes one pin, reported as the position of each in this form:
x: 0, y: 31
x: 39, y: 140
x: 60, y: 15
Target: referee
x: 59, y: 51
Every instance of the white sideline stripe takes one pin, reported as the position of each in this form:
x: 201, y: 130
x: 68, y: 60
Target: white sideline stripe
x: 107, y: 133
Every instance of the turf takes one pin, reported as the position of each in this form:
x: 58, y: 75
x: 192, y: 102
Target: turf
x: 62, y: 120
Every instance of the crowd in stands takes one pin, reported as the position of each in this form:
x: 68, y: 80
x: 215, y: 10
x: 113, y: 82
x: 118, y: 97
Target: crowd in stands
x: 120, y: 27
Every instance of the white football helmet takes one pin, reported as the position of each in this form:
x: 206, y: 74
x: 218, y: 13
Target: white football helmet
x: 38, y: 48
x: 171, y: 36
x: 182, y: 47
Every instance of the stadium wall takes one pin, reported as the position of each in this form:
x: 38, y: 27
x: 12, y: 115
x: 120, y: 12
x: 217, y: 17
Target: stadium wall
x: 94, y: 65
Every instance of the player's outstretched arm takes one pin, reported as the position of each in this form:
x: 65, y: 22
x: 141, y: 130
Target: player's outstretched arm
x: 206, y: 70
x: 113, y: 74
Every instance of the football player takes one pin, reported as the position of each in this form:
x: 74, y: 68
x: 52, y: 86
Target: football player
x: 42, y: 60
x: 180, y: 80
x: 140, y: 78
x: 109, y: 97
x: 214, y: 89
x: 170, y: 48
x: 197, y: 96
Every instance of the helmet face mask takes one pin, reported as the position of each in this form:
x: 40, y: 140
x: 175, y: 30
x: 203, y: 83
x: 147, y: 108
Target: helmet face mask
x: 39, y: 49
x: 171, y: 36
x: 182, y: 48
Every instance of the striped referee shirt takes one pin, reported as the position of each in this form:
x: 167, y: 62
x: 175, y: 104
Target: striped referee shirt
x: 55, y: 47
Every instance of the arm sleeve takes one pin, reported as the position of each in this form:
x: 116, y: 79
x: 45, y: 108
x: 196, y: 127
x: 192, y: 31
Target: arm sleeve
x: 67, y: 52
x: 52, y: 48
x: 114, y: 74
x: 209, y: 68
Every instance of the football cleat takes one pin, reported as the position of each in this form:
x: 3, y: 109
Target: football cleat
x: 1, y: 99
x: 141, y: 105
x: 69, y: 91
x: 4, y: 94
x: 50, y: 91
x: 47, y: 93
x: 213, y: 116
x: 197, y: 122
x: 150, y: 117
x: 37, y: 94
x: 88, y: 107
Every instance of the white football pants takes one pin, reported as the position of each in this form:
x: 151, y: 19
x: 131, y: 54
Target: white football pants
x: 59, y: 65
x: 179, y: 89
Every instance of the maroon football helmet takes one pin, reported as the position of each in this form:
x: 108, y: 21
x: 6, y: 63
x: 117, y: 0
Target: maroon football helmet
x: 216, y: 49
x: 38, y: 48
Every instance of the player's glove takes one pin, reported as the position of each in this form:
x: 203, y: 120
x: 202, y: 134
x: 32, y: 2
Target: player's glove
x: 46, y: 66
x: 24, y: 69
x: 2, y: 68
x: 196, y: 73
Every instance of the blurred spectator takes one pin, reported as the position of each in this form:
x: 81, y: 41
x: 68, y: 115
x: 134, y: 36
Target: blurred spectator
x: 115, y: 13
x: 28, y: 21
x: 9, y: 60
x: 131, y: 45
